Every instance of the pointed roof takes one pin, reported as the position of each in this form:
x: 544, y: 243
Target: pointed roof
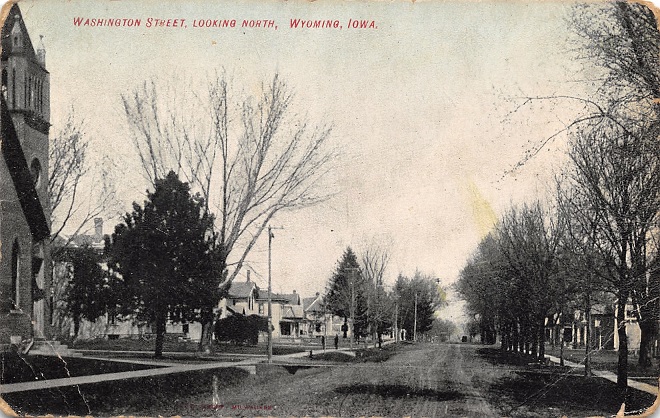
x: 313, y: 304
x: 12, y: 152
x: 12, y: 18
x: 293, y: 312
x: 241, y: 289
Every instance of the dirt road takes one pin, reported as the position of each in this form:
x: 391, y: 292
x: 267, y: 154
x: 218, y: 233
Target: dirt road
x: 422, y: 380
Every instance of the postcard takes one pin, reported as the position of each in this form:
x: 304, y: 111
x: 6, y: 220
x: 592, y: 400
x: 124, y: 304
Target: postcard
x: 329, y: 208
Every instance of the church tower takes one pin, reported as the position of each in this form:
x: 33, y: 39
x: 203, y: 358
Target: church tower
x: 25, y: 264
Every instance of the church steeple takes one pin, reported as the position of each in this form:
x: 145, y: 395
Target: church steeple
x: 41, y: 52
x: 17, y: 35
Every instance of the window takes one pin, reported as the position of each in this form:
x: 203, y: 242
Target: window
x: 35, y: 170
x: 15, y: 274
x: 4, y: 82
x: 261, y: 309
x: 13, y: 87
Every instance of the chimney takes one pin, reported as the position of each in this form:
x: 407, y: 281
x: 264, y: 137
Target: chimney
x: 248, y: 276
x: 98, y: 228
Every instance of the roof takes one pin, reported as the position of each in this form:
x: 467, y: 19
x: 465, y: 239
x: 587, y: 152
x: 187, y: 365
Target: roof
x: 17, y: 165
x: 13, y: 16
x: 241, y: 289
x: 291, y: 298
x: 287, y: 298
x: 313, y: 304
x: 601, y: 309
x: 80, y: 240
x: 293, y: 312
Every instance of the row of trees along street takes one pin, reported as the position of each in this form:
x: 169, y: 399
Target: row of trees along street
x: 356, y: 292
x: 597, y: 240
x: 220, y: 165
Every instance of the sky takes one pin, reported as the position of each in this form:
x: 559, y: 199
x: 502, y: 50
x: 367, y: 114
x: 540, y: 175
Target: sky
x: 425, y: 109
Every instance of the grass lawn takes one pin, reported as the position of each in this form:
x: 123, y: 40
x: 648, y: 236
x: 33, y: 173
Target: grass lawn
x: 184, y: 358
x: 17, y: 368
x: 554, y: 388
x: 128, y: 344
x: 153, y: 394
x: 417, y: 380
x: 607, y: 360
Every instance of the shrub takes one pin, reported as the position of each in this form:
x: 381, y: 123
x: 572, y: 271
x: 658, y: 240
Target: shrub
x: 240, y: 329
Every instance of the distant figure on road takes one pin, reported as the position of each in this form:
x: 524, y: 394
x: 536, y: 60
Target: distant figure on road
x: 336, y: 341
x: 323, y: 341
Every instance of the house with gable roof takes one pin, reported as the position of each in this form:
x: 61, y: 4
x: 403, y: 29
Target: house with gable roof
x: 319, y: 321
x: 246, y: 298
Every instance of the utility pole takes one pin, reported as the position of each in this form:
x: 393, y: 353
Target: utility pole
x: 353, y: 271
x: 352, y: 308
x: 270, y: 307
x: 415, y: 326
x: 396, y: 320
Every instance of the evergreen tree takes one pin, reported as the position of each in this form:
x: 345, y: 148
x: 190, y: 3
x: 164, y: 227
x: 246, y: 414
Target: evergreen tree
x: 86, y: 294
x: 164, y: 252
x: 346, y: 293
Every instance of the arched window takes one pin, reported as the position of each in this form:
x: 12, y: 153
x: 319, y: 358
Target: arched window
x: 15, y: 274
x: 13, y: 87
x: 4, y: 82
x: 40, y: 90
x: 35, y: 170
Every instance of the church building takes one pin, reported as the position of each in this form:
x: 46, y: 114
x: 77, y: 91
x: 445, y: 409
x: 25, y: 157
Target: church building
x: 25, y: 265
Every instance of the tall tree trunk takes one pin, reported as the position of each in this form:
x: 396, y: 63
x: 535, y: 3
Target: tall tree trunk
x: 588, y: 345
x: 561, y: 340
x: 649, y: 331
x: 76, y: 326
x: 517, y: 341
x: 160, y: 333
x: 534, y: 341
x: 206, y: 319
x: 622, y: 365
x: 542, y: 339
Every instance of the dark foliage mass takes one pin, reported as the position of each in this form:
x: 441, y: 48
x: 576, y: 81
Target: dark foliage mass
x: 240, y: 329
x: 165, y: 257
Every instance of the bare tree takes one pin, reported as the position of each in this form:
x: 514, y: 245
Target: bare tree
x: 614, y: 154
x: 617, y: 177
x: 373, y: 263
x: 529, y: 239
x: 250, y: 156
x: 78, y: 189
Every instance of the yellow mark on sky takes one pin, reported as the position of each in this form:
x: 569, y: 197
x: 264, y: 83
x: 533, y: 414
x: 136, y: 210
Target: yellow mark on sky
x: 482, y: 213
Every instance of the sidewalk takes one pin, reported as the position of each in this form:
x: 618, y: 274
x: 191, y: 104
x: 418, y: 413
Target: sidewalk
x: 81, y: 380
x: 644, y: 387
x: 167, y: 368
